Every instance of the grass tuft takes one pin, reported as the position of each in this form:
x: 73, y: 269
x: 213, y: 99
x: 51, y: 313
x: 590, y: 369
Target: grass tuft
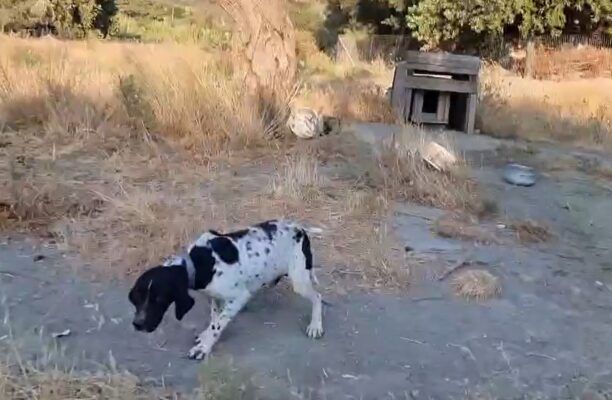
x: 476, y: 285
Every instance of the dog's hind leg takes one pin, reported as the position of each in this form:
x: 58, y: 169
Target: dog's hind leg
x: 211, y: 335
x: 301, y: 278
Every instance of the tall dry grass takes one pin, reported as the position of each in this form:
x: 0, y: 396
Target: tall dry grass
x: 353, y: 91
x: 576, y: 112
x: 96, y: 89
x: 572, y: 62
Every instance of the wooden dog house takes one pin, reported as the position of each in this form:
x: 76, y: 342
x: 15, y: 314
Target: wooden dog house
x: 437, y: 88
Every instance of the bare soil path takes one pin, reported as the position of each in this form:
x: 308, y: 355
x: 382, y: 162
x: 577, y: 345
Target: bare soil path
x: 546, y: 337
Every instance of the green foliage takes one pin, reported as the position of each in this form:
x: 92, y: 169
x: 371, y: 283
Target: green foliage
x: 68, y: 18
x: 155, y: 21
x: 438, y: 22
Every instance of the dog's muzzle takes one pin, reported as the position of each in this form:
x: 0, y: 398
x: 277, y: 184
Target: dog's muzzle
x: 139, y: 321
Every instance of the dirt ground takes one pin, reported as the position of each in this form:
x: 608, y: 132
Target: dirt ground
x: 546, y: 337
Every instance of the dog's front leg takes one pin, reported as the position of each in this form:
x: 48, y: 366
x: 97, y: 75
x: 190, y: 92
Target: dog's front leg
x: 211, y: 335
x: 215, y: 309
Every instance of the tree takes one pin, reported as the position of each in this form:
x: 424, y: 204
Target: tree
x: 266, y: 34
x: 437, y: 21
x: 447, y: 23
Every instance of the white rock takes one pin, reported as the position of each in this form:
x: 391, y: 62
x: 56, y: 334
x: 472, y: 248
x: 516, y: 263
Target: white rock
x: 305, y: 123
x: 438, y: 157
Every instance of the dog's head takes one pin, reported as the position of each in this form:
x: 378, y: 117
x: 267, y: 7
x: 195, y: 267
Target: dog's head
x: 153, y: 293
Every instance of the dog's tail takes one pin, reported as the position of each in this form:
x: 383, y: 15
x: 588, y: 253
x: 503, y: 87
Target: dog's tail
x: 313, y: 230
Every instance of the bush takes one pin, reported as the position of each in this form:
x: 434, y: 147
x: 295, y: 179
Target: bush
x: 67, y: 18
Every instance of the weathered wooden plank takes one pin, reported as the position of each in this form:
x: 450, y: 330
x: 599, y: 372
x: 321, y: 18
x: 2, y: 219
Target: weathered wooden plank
x: 442, y: 85
x: 430, y: 118
x: 397, y: 92
x: 407, y: 105
x: 444, y: 69
x: 443, y: 60
x: 417, y: 107
x: 443, y: 109
x: 470, y: 118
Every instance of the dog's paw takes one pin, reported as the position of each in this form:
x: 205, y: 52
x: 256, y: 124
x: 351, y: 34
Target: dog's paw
x: 197, y: 353
x: 314, y: 331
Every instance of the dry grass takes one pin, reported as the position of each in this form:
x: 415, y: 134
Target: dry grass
x: 476, y: 285
x: 358, y: 247
x: 349, y: 100
x: 30, y: 383
x: 405, y: 176
x: 353, y: 91
x: 299, y: 178
x: 20, y: 380
x: 577, y: 112
x: 463, y: 226
x: 95, y: 90
x: 529, y: 231
x: 94, y: 137
x: 572, y: 62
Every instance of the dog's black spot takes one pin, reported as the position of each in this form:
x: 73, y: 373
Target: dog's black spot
x: 298, y: 235
x: 215, y: 334
x: 256, y: 275
x: 240, y: 272
x: 219, y: 273
x: 277, y: 280
x: 204, y: 264
x: 307, y: 252
x: 225, y: 249
x: 267, y: 250
x: 256, y: 254
x: 248, y: 246
x: 213, y: 327
x: 236, y: 284
x: 269, y: 227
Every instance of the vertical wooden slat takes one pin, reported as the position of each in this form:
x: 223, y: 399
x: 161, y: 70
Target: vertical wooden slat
x: 470, y: 119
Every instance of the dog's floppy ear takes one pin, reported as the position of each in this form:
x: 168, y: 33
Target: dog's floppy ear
x: 183, y: 304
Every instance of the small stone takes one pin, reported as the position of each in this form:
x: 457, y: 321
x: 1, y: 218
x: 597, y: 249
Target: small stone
x: 519, y: 175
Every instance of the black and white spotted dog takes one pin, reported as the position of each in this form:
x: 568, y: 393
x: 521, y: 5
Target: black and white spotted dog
x: 230, y: 268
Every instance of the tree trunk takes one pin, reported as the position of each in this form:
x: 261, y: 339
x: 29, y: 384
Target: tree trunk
x: 267, y: 38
